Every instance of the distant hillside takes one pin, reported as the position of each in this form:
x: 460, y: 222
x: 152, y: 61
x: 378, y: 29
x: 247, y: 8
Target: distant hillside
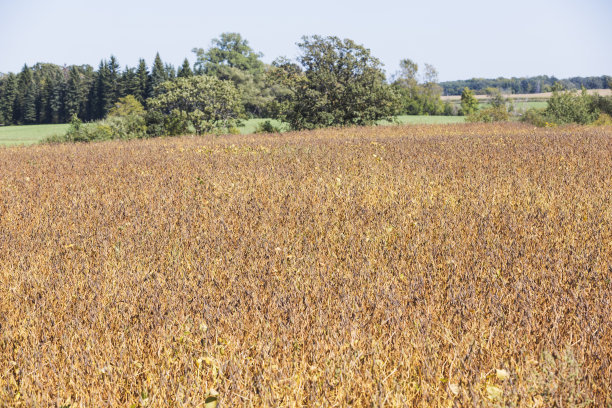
x: 529, y: 85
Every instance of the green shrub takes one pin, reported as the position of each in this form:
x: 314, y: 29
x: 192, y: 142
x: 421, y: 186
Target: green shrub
x: 566, y: 107
x: 113, y: 127
x: 267, y: 127
x: 126, y: 107
x: 536, y: 117
x: 603, y: 120
x: 602, y: 104
x: 489, y: 115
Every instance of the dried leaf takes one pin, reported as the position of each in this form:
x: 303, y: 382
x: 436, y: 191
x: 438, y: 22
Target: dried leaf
x: 494, y: 393
x: 502, y: 374
x: 454, y: 388
x: 212, y: 399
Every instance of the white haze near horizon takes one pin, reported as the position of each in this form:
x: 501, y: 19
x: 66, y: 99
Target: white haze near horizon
x: 462, y: 39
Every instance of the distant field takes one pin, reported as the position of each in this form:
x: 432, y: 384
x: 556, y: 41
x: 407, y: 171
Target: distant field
x: 31, y: 134
x: 524, y: 105
x: 519, y: 105
x: 540, y: 96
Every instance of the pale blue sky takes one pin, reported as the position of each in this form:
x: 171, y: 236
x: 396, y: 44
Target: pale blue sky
x: 462, y: 39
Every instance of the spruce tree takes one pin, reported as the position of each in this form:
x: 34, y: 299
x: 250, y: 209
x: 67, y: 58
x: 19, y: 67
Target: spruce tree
x: 73, y: 93
x: 144, y: 82
x: 46, y: 94
x: 8, y: 98
x: 26, y: 99
x: 57, y: 99
x: 158, y: 74
x: 114, y: 91
x: 129, y: 82
x: 92, y: 99
x: 170, y: 71
x: 88, y: 77
x: 185, y: 70
x: 103, y: 90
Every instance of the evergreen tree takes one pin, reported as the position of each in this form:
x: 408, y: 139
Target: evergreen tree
x: 103, y: 89
x: 73, y: 93
x: 114, y: 90
x: 8, y: 98
x: 46, y: 96
x: 158, y: 74
x: 57, y: 99
x: 129, y: 82
x: 144, y: 82
x: 170, y: 71
x: 92, y: 99
x: 45, y: 78
x: 26, y: 97
x: 88, y: 77
x: 185, y: 70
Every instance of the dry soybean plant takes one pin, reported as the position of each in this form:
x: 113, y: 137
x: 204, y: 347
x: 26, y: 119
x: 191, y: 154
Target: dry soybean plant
x: 463, y: 265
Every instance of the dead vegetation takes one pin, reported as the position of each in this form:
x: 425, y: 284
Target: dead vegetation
x: 465, y: 265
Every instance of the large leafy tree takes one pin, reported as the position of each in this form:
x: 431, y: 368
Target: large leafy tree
x: 231, y: 58
x: 229, y: 50
x: 342, y: 84
x: 203, y: 101
x: 417, y: 98
x: 407, y: 87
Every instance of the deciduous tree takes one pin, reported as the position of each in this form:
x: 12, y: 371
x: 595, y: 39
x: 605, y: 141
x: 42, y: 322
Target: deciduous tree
x: 203, y: 101
x: 343, y: 84
x: 230, y: 57
x: 469, y: 103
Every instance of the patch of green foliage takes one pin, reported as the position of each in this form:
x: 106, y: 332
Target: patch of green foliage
x: 203, y: 102
x: 416, y: 98
x: 337, y: 83
x: 489, y: 115
x: 569, y: 107
x: 565, y: 107
x: 126, y: 120
x: 231, y: 58
x: 267, y: 127
x: 469, y: 103
x: 499, y: 110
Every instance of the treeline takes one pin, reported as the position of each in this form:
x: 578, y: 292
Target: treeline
x: 48, y: 93
x: 335, y: 82
x: 537, y: 84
